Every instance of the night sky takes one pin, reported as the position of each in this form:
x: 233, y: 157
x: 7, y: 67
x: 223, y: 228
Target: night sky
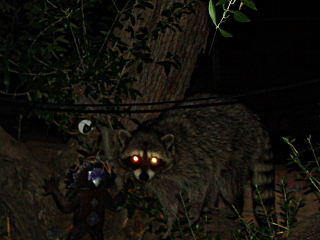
x: 279, y: 47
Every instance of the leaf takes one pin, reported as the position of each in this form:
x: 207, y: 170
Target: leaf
x: 148, y: 5
x: 131, y: 210
x: 250, y: 4
x: 143, y: 5
x: 155, y: 34
x: 225, y: 34
x: 177, y: 26
x: 85, y: 145
x: 221, y: 2
x: 176, y: 5
x: 135, y: 92
x: 38, y: 94
x: 130, y: 63
x: 139, y: 68
x: 167, y: 66
x: 135, y: 121
x: 166, y: 13
x: 72, y: 25
x: 61, y: 39
x: 104, y: 32
x: 83, y: 153
x: 29, y: 97
x: 239, y: 16
x: 212, y: 12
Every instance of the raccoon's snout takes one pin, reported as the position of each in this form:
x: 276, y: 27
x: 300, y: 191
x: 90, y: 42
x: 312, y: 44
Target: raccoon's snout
x: 144, y: 177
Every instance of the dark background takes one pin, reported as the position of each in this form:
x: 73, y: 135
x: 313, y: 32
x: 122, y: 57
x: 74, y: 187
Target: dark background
x: 279, y: 47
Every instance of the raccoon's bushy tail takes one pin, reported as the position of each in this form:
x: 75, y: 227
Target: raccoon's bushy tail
x: 263, y: 187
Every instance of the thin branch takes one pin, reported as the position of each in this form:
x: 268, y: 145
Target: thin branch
x: 16, y: 94
x: 33, y: 74
x: 78, y: 50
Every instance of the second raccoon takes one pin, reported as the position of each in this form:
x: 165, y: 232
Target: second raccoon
x: 205, y: 151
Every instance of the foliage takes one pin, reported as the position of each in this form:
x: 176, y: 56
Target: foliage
x: 72, y: 52
x: 289, y: 207
x: 227, y: 12
x: 226, y: 5
x: 273, y: 229
x: 150, y: 206
x: 311, y: 170
x: 251, y: 231
x: 270, y: 230
x: 186, y: 228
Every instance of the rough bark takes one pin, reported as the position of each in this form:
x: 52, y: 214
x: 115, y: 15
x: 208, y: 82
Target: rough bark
x: 153, y: 83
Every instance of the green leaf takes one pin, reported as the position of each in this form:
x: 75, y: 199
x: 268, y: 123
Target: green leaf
x: 72, y: 25
x: 85, y: 145
x: 239, y: 16
x: 221, y: 2
x: 212, y: 12
x: 38, y: 94
x: 61, y: 39
x: 225, y: 34
x: 250, y: 4
x: 104, y: 32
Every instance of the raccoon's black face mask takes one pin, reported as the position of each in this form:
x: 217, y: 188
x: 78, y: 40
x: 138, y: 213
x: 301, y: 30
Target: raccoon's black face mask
x: 145, y: 154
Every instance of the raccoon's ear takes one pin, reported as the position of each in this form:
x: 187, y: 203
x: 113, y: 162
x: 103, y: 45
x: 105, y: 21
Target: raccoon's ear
x: 168, y: 140
x: 124, y: 137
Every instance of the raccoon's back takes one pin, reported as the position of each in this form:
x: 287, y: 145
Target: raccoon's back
x: 225, y: 126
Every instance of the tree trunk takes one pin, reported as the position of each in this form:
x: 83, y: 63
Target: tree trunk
x: 187, y: 44
x: 33, y: 216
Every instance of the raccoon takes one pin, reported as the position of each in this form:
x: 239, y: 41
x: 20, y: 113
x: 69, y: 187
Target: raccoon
x: 204, y: 151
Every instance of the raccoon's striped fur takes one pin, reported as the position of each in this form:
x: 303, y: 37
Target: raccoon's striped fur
x: 203, y: 151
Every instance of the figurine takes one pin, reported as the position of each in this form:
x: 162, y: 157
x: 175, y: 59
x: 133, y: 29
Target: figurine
x: 88, y: 199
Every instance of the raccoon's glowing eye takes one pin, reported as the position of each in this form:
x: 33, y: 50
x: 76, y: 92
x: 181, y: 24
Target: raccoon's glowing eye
x: 154, y: 160
x: 135, y: 159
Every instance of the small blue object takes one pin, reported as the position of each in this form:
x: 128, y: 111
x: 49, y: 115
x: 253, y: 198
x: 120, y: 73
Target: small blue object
x: 93, y: 219
x: 94, y: 202
x: 96, y: 173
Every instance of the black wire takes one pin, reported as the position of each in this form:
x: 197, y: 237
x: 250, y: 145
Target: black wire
x: 176, y: 107
x: 57, y: 107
